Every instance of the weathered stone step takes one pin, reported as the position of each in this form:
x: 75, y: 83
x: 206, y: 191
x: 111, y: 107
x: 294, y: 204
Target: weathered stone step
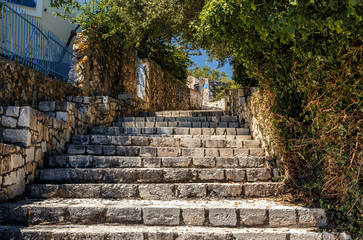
x: 115, y: 131
x: 191, y: 113
x: 216, y: 213
x: 77, y: 161
x: 177, y: 124
x: 152, y: 175
x: 142, y: 232
x: 158, y: 191
x: 163, y: 141
x: 145, y: 151
x: 180, y: 119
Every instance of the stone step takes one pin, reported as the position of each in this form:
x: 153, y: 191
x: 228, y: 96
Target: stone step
x: 77, y: 161
x: 177, y: 124
x: 142, y: 232
x: 163, y: 141
x: 215, y: 213
x: 158, y: 191
x: 152, y: 175
x: 191, y: 113
x: 115, y: 131
x: 180, y: 119
x: 145, y: 151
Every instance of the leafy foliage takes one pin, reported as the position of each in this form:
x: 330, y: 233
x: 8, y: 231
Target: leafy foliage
x: 207, y: 72
x: 308, y: 55
x: 159, y: 25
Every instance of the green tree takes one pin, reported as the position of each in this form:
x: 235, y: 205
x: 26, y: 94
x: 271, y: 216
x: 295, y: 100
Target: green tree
x: 308, y: 53
x: 207, y: 72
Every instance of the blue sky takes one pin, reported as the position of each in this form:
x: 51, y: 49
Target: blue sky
x: 200, y: 61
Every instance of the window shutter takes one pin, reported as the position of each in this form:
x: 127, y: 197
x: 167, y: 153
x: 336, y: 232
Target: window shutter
x: 26, y: 3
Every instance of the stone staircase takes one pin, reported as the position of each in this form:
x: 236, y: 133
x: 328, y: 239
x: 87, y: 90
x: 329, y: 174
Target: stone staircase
x: 164, y: 175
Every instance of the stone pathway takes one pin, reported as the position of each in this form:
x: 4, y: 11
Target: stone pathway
x: 166, y: 175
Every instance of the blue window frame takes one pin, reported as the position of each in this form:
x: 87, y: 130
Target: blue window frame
x: 26, y: 3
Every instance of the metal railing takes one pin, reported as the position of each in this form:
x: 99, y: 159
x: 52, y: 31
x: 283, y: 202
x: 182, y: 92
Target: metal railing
x: 25, y: 41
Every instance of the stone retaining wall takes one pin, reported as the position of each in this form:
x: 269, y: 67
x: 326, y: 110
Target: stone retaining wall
x: 164, y: 92
x: 105, y: 67
x: 27, y: 135
x: 246, y: 103
x: 24, y: 86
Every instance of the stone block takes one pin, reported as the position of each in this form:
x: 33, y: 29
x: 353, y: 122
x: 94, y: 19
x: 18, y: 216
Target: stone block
x: 168, y: 152
x: 8, y: 122
x: 224, y: 190
x: 252, y: 162
x: 305, y: 236
x: 253, y: 217
x: 258, y: 174
x: 180, y: 175
x: 195, y: 131
x: 121, y: 140
x: 208, y: 131
x: 260, y: 235
x: 204, y: 162
x: 12, y: 111
x: 46, y: 214
x: 226, y: 152
x: 214, y: 143
x: 312, y: 217
x: 100, y: 139
x: 190, y: 143
x: 182, y: 130
x: 148, y: 152
x: 231, y: 131
x: 220, y: 217
x: 193, y: 216
x: 161, y: 215
x: 76, y: 149
x: 119, y: 191
x: 94, y: 149
x: 123, y: 214
x: 30, y: 156
x: 211, y: 152
x: 226, y: 162
x: 282, y: 216
x: 165, y: 130
x: 17, y: 136
x: 109, y: 150
x: 193, y: 152
x: 220, y: 131
x: 163, y: 142
x: 152, y: 162
x: 17, y: 160
x: 179, y: 162
x: 185, y: 124
x: 85, y: 214
x: 150, y: 175
x: 211, y: 174
x: 257, y: 152
x: 263, y: 189
x: 127, y: 151
x: 235, y: 175
x: 192, y: 190
x: 62, y: 116
x: 241, y: 152
x: 156, y: 191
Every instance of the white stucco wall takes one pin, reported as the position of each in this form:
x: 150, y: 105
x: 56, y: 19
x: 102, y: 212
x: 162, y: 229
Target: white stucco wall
x: 46, y: 18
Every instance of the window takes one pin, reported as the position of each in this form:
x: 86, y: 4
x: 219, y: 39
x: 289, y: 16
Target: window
x: 26, y: 3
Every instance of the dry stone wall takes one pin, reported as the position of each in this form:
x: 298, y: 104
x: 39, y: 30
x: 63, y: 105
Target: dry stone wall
x: 164, y: 92
x: 27, y: 135
x: 24, y: 86
x: 104, y: 67
x: 247, y: 103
